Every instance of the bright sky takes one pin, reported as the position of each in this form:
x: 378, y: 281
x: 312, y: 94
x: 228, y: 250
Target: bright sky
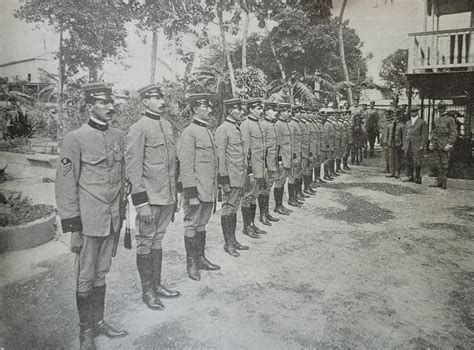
x: 382, y: 27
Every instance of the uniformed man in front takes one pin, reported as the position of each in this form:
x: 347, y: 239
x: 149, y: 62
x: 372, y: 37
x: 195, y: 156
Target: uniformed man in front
x: 415, y: 140
x: 295, y: 180
x: 321, y: 134
x: 443, y: 140
x: 232, y: 172
x: 89, y: 185
x: 197, y: 154
x: 271, y: 161
x: 393, y: 141
x: 254, y: 146
x: 307, y: 152
x: 285, y: 157
x: 151, y: 168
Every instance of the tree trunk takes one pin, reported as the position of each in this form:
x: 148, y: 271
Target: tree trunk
x: 342, y: 54
x: 224, y: 48
x: 59, y: 131
x: 245, y: 35
x: 154, y: 55
x: 272, y: 47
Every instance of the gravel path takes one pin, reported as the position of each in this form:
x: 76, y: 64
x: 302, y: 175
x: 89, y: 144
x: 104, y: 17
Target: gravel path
x: 367, y: 263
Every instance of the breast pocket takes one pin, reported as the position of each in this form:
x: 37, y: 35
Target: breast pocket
x: 155, y: 151
x: 93, y: 168
x: 203, y: 152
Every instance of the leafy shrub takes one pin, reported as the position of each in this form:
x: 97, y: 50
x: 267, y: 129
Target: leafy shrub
x: 22, y: 210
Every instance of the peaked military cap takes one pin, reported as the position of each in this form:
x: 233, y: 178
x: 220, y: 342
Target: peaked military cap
x: 254, y: 102
x: 232, y: 103
x: 270, y: 105
x: 414, y: 109
x: 284, y: 106
x: 97, y: 91
x: 296, y: 108
x: 151, y: 90
x: 199, y: 99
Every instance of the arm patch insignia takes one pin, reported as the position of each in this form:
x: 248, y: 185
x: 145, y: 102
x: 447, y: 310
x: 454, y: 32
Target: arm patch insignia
x: 67, y: 166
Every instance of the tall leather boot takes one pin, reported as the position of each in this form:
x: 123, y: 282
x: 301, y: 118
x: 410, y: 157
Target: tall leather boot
x: 253, y: 211
x: 281, y: 194
x: 232, y: 227
x: 145, y: 272
x: 292, y: 196
x: 190, y: 244
x: 332, y: 168
x: 299, y: 189
x: 86, y: 331
x: 318, y: 175
x: 202, y: 262
x: 228, y: 246
x: 267, y: 210
x: 261, y: 206
x: 100, y: 326
x: 444, y: 179
x: 248, y: 229
x: 307, y: 185
x: 157, y: 264
x: 279, y: 208
x: 327, y: 174
x: 418, y: 175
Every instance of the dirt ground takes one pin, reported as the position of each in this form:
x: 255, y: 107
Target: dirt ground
x: 367, y: 263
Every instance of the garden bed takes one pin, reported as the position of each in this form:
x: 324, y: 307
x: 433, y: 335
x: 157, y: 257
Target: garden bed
x: 25, y: 225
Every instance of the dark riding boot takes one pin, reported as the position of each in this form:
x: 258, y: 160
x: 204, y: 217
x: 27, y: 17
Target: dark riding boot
x: 307, y: 185
x: 327, y: 172
x: 248, y: 229
x: 157, y: 264
x: 190, y: 244
x: 146, y: 277
x: 418, y: 175
x: 203, y: 263
x: 299, y: 188
x: 261, y: 206
x: 232, y: 227
x: 279, y: 207
x: 86, y: 332
x: 100, y: 326
x: 292, y: 196
x: 267, y: 210
x: 228, y: 246
x: 253, y: 211
x: 444, y: 179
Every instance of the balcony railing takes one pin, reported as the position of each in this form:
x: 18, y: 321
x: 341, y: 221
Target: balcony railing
x: 441, y: 51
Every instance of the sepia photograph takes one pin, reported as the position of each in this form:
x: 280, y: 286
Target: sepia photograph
x: 237, y: 174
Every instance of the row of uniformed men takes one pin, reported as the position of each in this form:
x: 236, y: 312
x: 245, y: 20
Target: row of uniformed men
x: 274, y: 145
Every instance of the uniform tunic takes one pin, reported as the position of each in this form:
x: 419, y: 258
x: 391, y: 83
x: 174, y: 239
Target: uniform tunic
x: 151, y: 161
x: 271, y: 153
x: 285, y: 151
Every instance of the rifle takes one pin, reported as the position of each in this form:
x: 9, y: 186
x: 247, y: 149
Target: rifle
x: 124, y: 214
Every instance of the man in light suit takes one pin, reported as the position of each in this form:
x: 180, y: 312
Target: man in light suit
x: 414, y: 141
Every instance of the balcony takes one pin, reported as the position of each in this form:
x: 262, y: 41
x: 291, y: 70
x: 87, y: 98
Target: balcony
x: 441, y: 51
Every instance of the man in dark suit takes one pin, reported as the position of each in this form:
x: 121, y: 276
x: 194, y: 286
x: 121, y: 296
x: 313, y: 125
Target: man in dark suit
x: 414, y: 141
